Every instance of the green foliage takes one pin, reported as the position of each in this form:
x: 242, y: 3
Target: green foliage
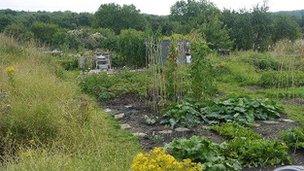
x: 69, y: 65
x: 192, y: 14
x: 170, y: 72
x: 217, y: 35
x: 19, y: 32
x: 239, y: 72
x: 258, y: 29
x: 286, y: 28
x: 185, y: 114
x: 261, y: 26
x: 131, y: 46
x: 105, y: 87
x: 118, y: 17
x: 294, y: 138
x: 258, y: 152
x: 204, y: 16
x: 241, y: 110
x: 108, y: 40
x: 86, y: 37
x: 202, y: 150
x: 4, y: 22
x: 38, y: 125
x: 234, y: 130
x: 282, y: 79
x: 202, y: 79
x: 44, y: 32
x: 266, y: 62
x: 46, y: 120
x: 240, y: 28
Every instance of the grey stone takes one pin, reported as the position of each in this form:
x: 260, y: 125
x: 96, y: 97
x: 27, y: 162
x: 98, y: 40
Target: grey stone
x: 108, y: 110
x: 270, y: 122
x: 165, y: 132
x: 128, y: 106
x: 287, y: 120
x: 125, y: 126
x: 256, y: 125
x: 140, y: 134
x: 205, y: 127
x: 119, y: 116
x: 180, y: 129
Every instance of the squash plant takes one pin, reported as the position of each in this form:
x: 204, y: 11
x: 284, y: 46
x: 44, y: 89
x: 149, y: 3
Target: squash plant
x: 241, y: 110
x: 202, y: 150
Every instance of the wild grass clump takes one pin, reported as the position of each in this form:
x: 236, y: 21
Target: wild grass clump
x: 289, y: 48
x: 47, y: 123
x: 294, y: 138
x: 282, y: 79
x: 266, y: 62
x: 237, y: 71
x: 105, y: 87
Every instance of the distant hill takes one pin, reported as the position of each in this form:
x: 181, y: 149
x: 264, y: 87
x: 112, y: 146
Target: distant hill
x: 296, y: 13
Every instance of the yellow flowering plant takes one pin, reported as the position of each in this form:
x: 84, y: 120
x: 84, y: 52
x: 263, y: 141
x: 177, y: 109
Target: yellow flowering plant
x: 158, y: 160
x: 10, y: 71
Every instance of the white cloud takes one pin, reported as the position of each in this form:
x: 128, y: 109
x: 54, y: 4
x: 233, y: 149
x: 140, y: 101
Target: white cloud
x: 161, y: 7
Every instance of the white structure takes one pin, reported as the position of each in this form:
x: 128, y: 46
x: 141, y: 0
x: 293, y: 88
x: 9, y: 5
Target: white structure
x: 102, y: 62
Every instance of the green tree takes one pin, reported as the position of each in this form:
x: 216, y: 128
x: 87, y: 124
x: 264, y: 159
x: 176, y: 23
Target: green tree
x: 44, y: 32
x: 118, y: 17
x: 286, y: 28
x: 194, y: 12
x: 131, y: 45
x: 108, y: 39
x: 261, y: 22
x: 217, y: 35
x: 4, y: 22
x: 240, y: 28
x: 205, y: 16
x: 18, y: 31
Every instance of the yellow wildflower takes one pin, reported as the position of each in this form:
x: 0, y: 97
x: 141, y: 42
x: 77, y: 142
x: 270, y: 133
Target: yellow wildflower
x: 10, y: 71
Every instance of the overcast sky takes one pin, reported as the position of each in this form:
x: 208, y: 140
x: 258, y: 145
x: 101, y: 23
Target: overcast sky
x: 160, y: 7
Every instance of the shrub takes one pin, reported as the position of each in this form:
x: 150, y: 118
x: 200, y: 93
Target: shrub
x: 19, y: 32
x: 158, y: 159
x: 234, y: 130
x: 240, y: 73
x: 294, y: 138
x: 131, y: 45
x: 265, y: 62
x: 282, y: 79
x: 44, y: 32
x: 69, y: 65
x: 258, y: 153
x: 202, y: 150
x: 104, y: 86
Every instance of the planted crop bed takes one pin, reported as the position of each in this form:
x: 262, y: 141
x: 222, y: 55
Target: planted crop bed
x: 135, y: 116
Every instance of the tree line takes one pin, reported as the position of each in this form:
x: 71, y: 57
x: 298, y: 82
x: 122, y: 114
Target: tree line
x: 123, y: 29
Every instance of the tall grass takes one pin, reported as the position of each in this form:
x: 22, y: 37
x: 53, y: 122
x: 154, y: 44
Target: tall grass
x: 47, y: 124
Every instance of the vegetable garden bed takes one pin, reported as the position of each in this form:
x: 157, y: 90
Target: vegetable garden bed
x: 139, y: 117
